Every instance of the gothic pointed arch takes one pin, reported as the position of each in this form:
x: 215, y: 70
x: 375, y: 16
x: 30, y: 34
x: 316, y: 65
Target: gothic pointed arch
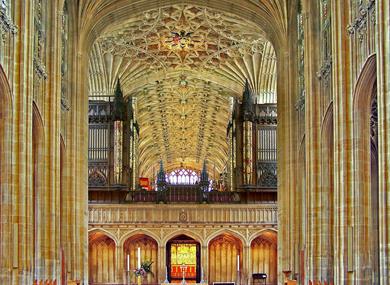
x: 229, y: 248
x: 327, y: 193
x: 102, y: 258
x: 264, y: 255
x: 149, y: 252
x: 38, y: 167
x: 366, y: 172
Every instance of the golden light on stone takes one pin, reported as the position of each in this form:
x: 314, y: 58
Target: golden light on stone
x: 330, y: 223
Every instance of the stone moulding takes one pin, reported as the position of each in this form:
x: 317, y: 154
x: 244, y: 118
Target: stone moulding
x: 40, y: 68
x: 325, y: 69
x: 173, y: 214
x: 359, y: 24
x: 6, y: 23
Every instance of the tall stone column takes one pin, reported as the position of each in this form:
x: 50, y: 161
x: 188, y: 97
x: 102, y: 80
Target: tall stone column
x: 21, y: 210
x: 121, y: 265
x: 383, y: 71
x: 162, y: 263
x: 343, y: 151
x: 204, y: 262
x: 246, y: 265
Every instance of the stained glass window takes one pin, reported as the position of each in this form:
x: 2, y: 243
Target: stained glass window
x: 183, y: 258
x: 183, y: 176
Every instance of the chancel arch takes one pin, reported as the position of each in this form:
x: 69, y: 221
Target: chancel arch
x: 228, y: 248
x: 148, y: 249
x: 264, y: 255
x: 366, y: 204
x: 101, y: 258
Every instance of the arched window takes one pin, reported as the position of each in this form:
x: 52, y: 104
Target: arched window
x: 183, y: 176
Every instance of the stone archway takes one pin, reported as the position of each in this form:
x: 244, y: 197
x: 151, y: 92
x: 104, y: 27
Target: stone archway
x: 366, y: 204
x: 149, y: 252
x: 183, y: 257
x: 228, y: 248
x: 264, y: 255
x: 102, y: 258
x: 256, y: 12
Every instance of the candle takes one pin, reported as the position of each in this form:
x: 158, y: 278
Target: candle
x: 139, y: 257
x: 238, y: 262
x: 128, y: 262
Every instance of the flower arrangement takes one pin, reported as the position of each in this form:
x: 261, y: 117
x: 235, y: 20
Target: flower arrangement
x: 139, y: 272
x: 144, y: 270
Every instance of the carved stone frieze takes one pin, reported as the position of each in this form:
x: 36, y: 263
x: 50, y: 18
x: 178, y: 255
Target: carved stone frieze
x: 300, y: 104
x: 162, y: 233
x: 170, y: 214
x: 366, y: 13
x: 325, y: 69
x: 6, y: 22
x: 40, y: 68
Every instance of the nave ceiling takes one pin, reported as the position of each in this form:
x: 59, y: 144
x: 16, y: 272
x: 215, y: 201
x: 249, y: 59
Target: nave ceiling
x: 184, y: 65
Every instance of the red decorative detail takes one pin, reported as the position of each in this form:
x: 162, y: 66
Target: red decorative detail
x: 144, y: 183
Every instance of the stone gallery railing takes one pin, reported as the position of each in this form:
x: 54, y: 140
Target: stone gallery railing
x: 171, y: 214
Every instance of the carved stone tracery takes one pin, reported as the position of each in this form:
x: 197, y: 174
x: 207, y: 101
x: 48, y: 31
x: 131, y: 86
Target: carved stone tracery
x: 182, y: 63
x: 6, y: 23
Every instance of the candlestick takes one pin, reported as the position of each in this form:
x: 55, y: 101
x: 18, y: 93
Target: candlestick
x: 202, y: 276
x: 128, y: 262
x: 166, y: 275
x: 139, y: 258
x: 238, y: 262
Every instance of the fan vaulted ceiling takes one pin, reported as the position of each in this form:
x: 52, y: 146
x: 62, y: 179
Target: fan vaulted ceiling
x: 183, y: 64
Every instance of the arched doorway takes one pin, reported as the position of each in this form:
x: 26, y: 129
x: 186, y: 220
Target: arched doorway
x: 366, y: 174
x: 148, y: 249
x: 225, y: 258
x: 183, y: 257
x: 264, y: 256
x: 102, y: 258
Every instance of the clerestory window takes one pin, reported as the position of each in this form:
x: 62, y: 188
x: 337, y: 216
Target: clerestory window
x: 183, y: 176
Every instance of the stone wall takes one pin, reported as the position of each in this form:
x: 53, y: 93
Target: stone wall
x: 253, y: 226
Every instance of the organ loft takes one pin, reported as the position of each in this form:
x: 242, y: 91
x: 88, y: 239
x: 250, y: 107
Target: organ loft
x: 183, y: 142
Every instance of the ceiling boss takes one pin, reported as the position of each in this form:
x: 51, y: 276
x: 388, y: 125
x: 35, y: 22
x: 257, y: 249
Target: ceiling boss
x: 180, y: 40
